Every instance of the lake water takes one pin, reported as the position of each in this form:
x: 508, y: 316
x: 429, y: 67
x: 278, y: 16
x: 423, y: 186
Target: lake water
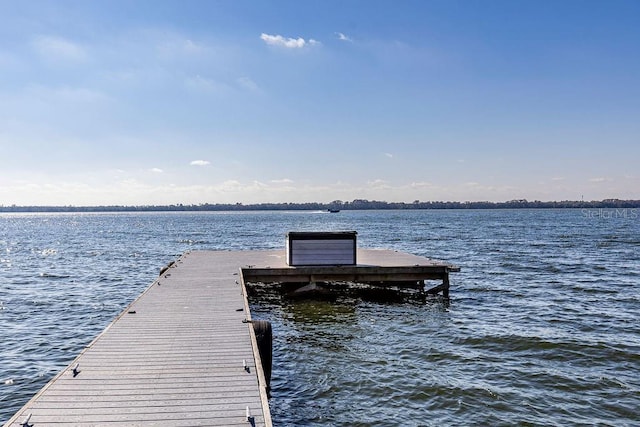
x: 542, y: 327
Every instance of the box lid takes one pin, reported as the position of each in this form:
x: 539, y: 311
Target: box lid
x: 322, y: 235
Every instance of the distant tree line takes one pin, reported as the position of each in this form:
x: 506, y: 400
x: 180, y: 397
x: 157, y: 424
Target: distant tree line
x: 357, y: 204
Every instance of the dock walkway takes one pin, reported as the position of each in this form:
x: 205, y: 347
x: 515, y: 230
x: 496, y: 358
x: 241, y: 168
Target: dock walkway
x: 184, y: 352
x: 174, y: 357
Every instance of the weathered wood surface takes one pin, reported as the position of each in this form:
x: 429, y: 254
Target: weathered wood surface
x: 174, y: 357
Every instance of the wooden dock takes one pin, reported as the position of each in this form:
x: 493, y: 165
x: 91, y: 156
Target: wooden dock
x: 185, y: 353
x: 374, y: 266
x: 175, y: 357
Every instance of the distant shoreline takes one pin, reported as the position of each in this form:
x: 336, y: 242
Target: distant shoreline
x: 357, y: 204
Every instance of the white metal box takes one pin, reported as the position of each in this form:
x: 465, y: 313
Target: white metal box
x: 321, y: 248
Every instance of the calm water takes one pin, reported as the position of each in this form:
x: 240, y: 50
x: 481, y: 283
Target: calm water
x: 542, y: 328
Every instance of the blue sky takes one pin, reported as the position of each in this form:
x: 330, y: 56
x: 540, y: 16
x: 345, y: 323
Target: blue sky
x: 156, y: 102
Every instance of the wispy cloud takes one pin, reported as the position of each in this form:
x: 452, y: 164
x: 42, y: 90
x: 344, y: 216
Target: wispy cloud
x: 234, y: 186
x: 190, y: 46
x: 202, y: 84
x: 282, y: 181
x: 156, y: 170
x: 389, y: 155
x: 58, y: 49
x: 248, y: 84
x: 421, y: 184
x: 177, y: 46
x: 8, y: 60
x: 378, y: 184
x: 343, y: 37
x: 66, y: 94
x: 289, y: 43
x: 200, y: 163
x: 598, y: 179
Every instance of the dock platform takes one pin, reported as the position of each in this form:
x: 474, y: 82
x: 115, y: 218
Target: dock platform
x: 184, y: 353
x: 375, y: 266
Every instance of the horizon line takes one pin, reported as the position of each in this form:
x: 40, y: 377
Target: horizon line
x: 356, y: 204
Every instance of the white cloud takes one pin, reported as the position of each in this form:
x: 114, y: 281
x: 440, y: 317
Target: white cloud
x: 389, y: 155
x: 200, y: 163
x: 598, y: 179
x: 59, y: 49
x: 282, y: 181
x: 378, y: 184
x: 343, y: 37
x: 288, y: 43
x: 421, y: 184
x: 156, y: 170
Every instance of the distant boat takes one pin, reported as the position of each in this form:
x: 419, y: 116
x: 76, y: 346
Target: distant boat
x: 333, y: 210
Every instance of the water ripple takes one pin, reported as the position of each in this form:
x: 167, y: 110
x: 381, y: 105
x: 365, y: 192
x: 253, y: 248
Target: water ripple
x: 541, y: 330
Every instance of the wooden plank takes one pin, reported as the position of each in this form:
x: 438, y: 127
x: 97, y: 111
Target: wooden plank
x: 166, y: 422
x: 64, y: 401
x: 107, y: 412
x: 243, y: 395
x: 181, y: 418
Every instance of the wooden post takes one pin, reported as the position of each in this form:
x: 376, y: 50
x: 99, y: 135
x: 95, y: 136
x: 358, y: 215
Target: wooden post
x: 445, y: 285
